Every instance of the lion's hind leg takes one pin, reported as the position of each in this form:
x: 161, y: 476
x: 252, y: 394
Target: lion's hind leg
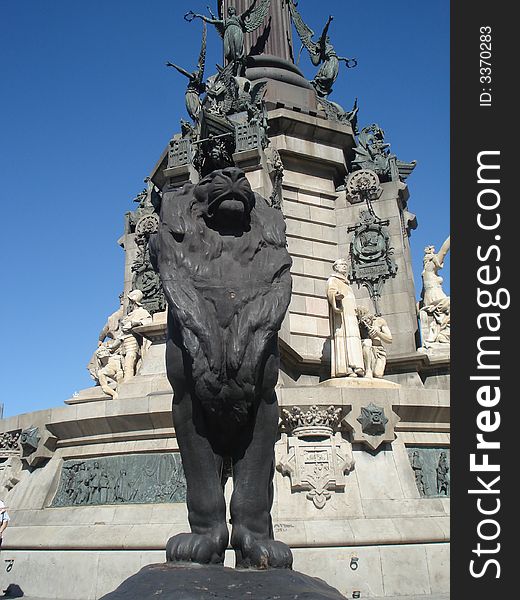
x: 252, y: 536
x: 209, y: 535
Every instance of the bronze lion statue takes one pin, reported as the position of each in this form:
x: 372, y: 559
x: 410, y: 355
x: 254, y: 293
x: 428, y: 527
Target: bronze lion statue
x: 221, y: 253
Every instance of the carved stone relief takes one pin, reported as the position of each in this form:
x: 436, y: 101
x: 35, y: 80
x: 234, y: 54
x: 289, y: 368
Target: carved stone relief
x: 144, y: 222
x: 10, y: 461
x: 362, y: 186
x: 315, y: 458
x: 10, y: 473
x: 37, y: 445
x: 373, y: 420
x: 371, y: 255
x: 372, y: 425
x: 124, y: 479
x: 146, y: 279
x: 10, y: 443
x: 248, y: 137
x: 29, y: 440
x: 180, y: 152
x: 431, y: 467
x: 276, y: 174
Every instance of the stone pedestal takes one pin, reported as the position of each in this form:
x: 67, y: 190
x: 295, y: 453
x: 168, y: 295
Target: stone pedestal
x: 197, y: 582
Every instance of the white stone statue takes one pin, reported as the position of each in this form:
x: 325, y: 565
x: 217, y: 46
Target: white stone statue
x: 432, y: 283
x: 111, y: 329
x: 136, y: 316
x: 434, y: 306
x: 346, y: 348
x: 108, y: 366
x: 375, y: 333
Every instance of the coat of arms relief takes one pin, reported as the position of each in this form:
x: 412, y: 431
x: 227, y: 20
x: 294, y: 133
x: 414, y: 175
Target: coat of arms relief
x: 316, y: 457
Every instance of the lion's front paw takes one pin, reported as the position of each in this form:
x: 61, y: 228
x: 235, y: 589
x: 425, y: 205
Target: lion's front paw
x: 192, y: 547
x: 262, y: 554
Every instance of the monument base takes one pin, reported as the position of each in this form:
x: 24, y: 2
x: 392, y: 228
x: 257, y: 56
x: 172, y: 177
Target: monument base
x: 359, y: 383
x: 178, y: 581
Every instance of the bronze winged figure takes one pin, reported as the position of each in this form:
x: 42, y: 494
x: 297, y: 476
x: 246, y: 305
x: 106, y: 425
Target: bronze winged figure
x: 321, y: 53
x: 196, y: 85
x: 233, y: 26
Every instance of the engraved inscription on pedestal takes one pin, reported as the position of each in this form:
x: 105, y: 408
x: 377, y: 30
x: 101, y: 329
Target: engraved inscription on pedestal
x: 431, y: 467
x: 126, y: 479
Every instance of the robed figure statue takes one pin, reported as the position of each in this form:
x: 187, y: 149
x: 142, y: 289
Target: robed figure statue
x: 346, y: 346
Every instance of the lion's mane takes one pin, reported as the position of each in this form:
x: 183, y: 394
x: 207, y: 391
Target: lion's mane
x: 227, y: 293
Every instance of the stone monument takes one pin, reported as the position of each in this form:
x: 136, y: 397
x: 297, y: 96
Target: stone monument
x: 265, y: 460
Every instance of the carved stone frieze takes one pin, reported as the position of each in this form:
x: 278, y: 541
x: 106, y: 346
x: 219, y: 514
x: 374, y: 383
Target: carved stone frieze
x: 431, y: 468
x: 122, y: 479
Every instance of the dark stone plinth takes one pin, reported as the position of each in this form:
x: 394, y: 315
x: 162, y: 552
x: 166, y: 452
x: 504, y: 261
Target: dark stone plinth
x: 175, y: 581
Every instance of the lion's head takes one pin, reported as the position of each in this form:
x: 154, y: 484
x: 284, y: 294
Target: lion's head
x: 226, y: 199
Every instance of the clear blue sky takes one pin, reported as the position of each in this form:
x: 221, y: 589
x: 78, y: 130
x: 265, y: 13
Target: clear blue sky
x: 86, y: 108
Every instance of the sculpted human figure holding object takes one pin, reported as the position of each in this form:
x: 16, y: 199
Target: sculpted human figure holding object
x: 137, y: 315
x: 434, y: 306
x: 346, y: 348
x: 321, y: 53
x: 432, y: 282
x: 196, y: 85
x: 108, y: 366
x: 374, y: 333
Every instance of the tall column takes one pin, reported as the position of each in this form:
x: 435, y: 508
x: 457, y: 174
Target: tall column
x: 277, y: 27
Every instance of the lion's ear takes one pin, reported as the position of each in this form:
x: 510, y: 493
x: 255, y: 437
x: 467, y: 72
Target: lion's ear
x: 175, y: 214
